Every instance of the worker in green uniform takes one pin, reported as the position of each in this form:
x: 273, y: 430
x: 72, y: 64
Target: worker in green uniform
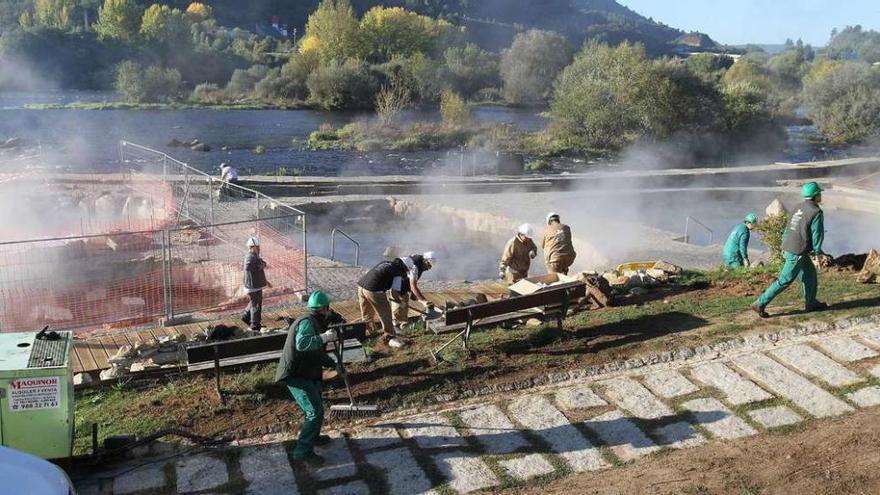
x: 803, y: 236
x: 300, y: 368
x: 736, y: 249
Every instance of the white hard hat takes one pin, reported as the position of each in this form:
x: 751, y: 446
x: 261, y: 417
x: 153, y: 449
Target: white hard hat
x: 551, y: 215
x: 526, y: 230
x: 253, y: 241
x: 430, y: 256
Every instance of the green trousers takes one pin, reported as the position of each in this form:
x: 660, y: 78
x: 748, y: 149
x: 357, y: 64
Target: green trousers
x: 734, y: 262
x: 795, y: 267
x: 307, y: 394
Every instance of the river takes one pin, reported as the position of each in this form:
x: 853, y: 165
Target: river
x: 87, y: 139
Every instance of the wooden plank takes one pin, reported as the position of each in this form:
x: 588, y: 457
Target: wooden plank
x: 102, y: 351
x: 75, y: 359
x: 83, y: 348
x: 550, y: 296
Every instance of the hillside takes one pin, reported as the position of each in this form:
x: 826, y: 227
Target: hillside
x: 491, y: 23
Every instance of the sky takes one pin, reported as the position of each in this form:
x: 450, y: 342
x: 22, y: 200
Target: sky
x: 737, y: 22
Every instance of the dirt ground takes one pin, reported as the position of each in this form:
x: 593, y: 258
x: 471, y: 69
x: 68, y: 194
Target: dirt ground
x: 834, y: 456
x: 690, y: 314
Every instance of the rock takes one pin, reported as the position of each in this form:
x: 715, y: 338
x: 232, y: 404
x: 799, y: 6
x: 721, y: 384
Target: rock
x: 168, y: 357
x: 195, y: 142
x: 224, y: 148
x: 667, y: 267
x: 871, y: 270
x: 82, y: 379
x: 174, y: 143
x: 203, y: 147
x: 165, y: 339
x: 775, y: 208
x: 145, y: 365
x: 112, y: 373
x: 534, y: 322
x: 125, y: 354
x: 657, y: 274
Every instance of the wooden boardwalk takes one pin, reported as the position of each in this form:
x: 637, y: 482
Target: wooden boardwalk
x: 91, y: 352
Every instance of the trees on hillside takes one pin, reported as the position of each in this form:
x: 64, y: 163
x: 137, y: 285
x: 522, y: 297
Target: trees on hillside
x: 333, y: 32
x: 394, y: 32
x: 531, y: 64
x: 162, y: 24
x: 118, y: 20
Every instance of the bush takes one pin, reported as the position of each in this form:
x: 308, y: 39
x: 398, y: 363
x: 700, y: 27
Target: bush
x: 466, y: 70
x: 390, y: 102
x: 343, y: 86
x: 612, y: 96
x: 532, y: 63
x: 208, y: 93
x: 772, y: 230
x: 537, y: 165
x: 454, y: 109
x: 149, y: 85
x: 845, y: 103
x: 243, y: 81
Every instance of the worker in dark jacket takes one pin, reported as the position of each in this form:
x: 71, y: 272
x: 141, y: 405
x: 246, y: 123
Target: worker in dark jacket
x: 803, y: 237
x: 300, y: 368
x: 254, y: 283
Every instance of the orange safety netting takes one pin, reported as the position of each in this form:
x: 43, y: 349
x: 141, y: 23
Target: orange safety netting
x: 122, y: 278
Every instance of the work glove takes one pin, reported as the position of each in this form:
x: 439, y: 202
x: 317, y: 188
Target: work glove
x: 328, y: 336
x: 532, y: 254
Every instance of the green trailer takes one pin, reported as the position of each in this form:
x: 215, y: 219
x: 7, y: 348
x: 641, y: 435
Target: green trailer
x: 36, y: 393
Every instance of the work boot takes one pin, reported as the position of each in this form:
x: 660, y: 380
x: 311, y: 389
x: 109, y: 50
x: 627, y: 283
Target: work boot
x: 817, y: 306
x: 760, y: 310
x: 311, y: 459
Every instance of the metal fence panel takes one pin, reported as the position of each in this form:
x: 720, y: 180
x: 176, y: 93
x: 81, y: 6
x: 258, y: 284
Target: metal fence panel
x: 173, y: 245
x: 87, y: 281
x: 207, y: 263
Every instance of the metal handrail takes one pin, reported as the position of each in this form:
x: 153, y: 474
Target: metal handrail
x: 687, y: 222
x: 196, y: 171
x: 357, y: 246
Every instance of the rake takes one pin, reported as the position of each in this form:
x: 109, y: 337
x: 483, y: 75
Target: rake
x: 350, y: 410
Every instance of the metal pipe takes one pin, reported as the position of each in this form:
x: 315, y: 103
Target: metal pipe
x: 357, y: 246
x: 305, y: 254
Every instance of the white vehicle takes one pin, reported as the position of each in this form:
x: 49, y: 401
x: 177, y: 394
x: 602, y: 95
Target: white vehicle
x: 26, y: 473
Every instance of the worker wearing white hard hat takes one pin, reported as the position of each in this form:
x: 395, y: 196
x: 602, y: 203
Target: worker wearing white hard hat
x: 384, y: 292
x: 518, y: 254
x: 406, y: 287
x: 254, y: 283
x: 557, y: 245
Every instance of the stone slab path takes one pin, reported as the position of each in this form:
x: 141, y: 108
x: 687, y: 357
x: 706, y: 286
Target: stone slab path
x: 523, y: 438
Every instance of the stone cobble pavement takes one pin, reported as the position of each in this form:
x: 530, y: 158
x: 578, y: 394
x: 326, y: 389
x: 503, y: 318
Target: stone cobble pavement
x: 513, y: 439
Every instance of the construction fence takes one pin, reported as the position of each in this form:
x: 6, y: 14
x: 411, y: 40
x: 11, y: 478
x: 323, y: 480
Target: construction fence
x: 187, y: 257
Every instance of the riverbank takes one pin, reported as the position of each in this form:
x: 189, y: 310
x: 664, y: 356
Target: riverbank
x: 124, y: 105
x: 436, y: 136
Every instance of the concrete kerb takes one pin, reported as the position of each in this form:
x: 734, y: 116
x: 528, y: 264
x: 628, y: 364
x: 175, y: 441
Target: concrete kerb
x: 675, y: 359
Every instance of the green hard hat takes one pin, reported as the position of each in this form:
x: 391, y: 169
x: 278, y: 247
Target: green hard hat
x: 319, y: 300
x: 811, y: 190
x: 751, y: 218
